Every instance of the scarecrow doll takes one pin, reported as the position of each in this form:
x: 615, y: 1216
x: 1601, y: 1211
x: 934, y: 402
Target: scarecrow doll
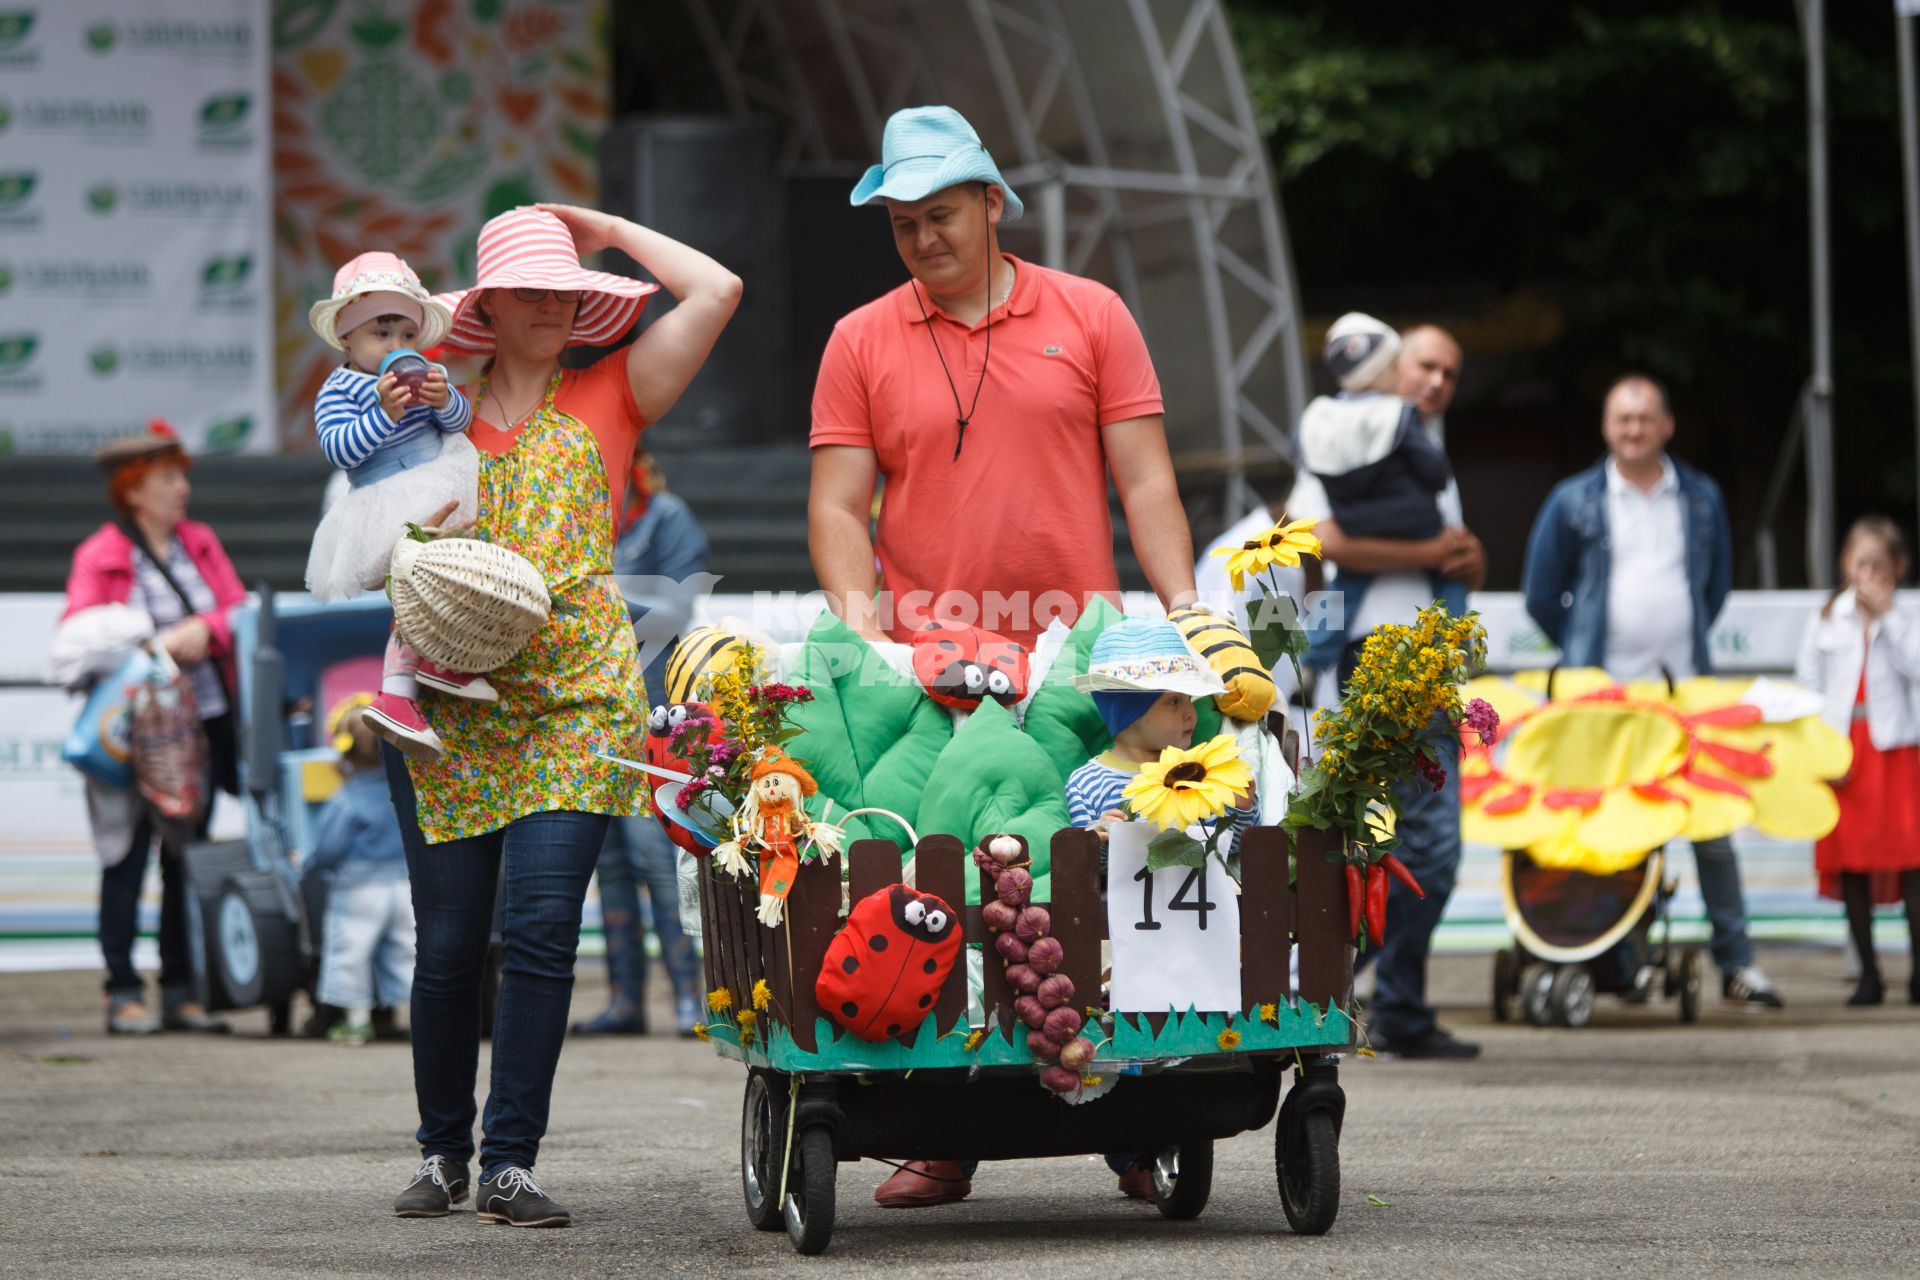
x: 773, y: 823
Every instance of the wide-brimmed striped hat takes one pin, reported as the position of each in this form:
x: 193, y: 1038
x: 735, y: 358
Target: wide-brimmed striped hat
x: 1146, y: 655
x: 532, y: 249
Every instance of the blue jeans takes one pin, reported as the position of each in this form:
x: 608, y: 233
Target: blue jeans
x: 1429, y: 828
x: 548, y: 858
x: 638, y: 853
x: 120, y: 886
x: 1719, y: 872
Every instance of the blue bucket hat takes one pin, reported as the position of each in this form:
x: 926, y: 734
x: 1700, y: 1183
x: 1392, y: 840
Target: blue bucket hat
x: 1146, y: 655
x: 928, y: 149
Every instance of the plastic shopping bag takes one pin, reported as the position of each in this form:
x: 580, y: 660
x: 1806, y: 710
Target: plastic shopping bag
x: 100, y: 742
x: 169, y: 749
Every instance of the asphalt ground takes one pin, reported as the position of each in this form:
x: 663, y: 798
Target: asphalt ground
x: 1747, y: 1144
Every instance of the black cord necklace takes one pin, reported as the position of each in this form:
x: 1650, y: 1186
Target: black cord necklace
x: 959, y: 417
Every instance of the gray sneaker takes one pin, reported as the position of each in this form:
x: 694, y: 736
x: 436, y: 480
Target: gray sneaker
x: 129, y: 1016
x: 437, y: 1186
x: 512, y: 1197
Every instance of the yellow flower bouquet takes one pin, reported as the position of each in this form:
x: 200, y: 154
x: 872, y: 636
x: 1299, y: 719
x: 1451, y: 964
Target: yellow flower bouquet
x: 1401, y: 701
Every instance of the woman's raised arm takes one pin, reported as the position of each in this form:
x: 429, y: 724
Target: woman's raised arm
x: 664, y: 359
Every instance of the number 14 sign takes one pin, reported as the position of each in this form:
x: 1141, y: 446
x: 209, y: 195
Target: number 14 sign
x: 1175, y: 932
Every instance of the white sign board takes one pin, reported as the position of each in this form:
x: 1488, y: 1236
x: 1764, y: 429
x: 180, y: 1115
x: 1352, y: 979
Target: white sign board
x: 136, y: 277
x: 1175, y: 932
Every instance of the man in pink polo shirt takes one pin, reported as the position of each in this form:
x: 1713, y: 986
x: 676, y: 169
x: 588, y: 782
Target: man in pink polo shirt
x: 995, y: 397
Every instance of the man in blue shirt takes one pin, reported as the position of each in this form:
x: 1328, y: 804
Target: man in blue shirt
x: 1629, y: 563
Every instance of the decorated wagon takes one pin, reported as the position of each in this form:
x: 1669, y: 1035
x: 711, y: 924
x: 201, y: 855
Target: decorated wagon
x: 1162, y: 1085
x: 1014, y: 990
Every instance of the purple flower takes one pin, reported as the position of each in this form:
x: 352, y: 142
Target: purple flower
x: 1483, y: 720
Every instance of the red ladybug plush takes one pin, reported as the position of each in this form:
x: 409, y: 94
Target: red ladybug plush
x: 960, y: 665
x: 884, y: 970
x: 658, y: 751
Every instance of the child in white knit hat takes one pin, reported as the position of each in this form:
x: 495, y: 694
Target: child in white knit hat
x: 390, y: 421
x: 1382, y: 470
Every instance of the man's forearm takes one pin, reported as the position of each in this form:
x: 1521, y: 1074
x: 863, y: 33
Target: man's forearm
x: 842, y: 552
x: 1373, y: 555
x: 1162, y: 541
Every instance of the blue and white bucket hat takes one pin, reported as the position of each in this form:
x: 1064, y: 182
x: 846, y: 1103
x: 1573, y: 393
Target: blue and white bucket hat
x: 1146, y: 655
x: 928, y: 149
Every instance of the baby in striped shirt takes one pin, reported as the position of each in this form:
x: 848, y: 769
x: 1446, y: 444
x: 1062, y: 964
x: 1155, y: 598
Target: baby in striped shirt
x: 401, y: 440
x: 1143, y: 678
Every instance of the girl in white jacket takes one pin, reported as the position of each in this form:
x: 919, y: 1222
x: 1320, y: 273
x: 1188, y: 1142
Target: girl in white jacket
x: 1863, y: 654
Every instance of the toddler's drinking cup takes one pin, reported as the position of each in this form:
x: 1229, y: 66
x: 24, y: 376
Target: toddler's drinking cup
x: 409, y: 366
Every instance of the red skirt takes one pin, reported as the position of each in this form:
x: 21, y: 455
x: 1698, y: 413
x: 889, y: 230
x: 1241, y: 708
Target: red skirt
x: 1879, y: 828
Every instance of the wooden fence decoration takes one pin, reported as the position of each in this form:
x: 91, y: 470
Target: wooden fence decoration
x: 1275, y: 916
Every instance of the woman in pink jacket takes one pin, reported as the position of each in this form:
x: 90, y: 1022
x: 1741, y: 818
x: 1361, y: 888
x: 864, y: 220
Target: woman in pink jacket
x: 151, y: 559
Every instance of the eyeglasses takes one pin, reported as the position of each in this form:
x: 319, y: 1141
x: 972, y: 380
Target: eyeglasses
x: 540, y: 295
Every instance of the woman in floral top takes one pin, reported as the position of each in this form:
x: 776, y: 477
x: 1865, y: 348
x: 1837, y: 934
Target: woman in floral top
x: 522, y: 785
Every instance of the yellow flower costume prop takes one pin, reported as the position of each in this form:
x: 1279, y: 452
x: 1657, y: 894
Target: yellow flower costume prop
x: 1594, y: 778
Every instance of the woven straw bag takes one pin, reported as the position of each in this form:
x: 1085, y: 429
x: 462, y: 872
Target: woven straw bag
x: 465, y: 604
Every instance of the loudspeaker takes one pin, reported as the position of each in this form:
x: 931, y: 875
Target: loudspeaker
x: 844, y: 258
x: 714, y: 184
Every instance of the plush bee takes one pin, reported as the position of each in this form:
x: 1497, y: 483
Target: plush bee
x: 1223, y: 646
x: 884, y: 969
x: 702, y: 652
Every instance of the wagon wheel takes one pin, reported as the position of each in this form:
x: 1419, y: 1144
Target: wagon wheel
x: 1182, y: 1179
x: 1693, y: 976
x: 1571, y: 996
x: 1310, y: 1175
x: 1504, y: 984
x: 809, y: 1206
x: 1536, y: 991
x: 763, y: 1137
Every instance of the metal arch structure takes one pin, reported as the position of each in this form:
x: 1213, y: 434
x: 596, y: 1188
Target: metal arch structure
x: 1124, y: 124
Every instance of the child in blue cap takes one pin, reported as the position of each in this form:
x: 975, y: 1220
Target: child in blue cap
x: 1143, y: 678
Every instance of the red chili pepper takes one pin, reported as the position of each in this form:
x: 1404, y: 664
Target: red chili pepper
x: 1376, y: 903
x: 1356, y: 899
x: 1398, y: 870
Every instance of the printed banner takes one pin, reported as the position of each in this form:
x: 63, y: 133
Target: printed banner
x: 134, y: 267
x: 403, y: 127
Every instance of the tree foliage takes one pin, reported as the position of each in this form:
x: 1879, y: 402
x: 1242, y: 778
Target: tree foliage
x: 1642, y: 165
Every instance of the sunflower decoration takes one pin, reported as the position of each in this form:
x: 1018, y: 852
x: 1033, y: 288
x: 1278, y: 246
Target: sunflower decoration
x: 1274, y: 630
x: 1595, y: 777
x: 1184, y: 787
x: 1282, y: 545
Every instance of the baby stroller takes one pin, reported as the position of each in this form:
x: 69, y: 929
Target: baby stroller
x: 1584, y: 775
x: 1577, y: 935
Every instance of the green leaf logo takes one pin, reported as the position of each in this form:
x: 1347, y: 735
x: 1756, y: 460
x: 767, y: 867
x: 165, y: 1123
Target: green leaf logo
x: 102, y: 198
x: 6, y: 115
x: 14, y: 26
x: 104, y: 361
x: 6, y: 279
x: 15, y: 188
x: 224, y: 274
x: 101, y: 35
x: 225, y: 437
x: 15, y: 350
x: 225, y: 112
